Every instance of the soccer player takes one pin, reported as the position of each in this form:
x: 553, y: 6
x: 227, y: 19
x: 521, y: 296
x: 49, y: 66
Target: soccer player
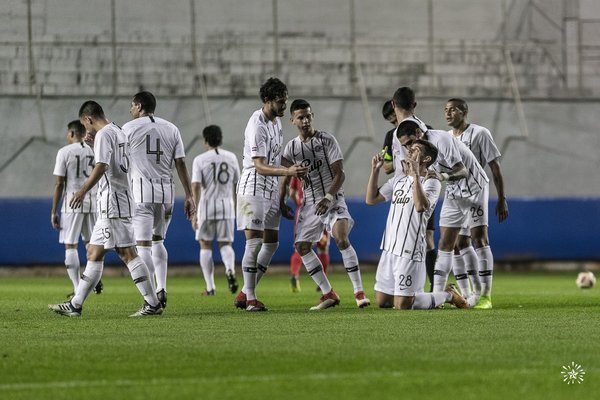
x: 479, y: 262
x: 324, y: 204
x: 466, y: 181
x: 296, y: 193
x: 401, y: 271
x: 155, y: 146
x: 258, y: 206
x: 113, y: 228
x: 74, y: 163
x: 215, y: 174
x: 404, y: 104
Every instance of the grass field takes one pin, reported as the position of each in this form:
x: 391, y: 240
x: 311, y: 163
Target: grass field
x: 202, y: 348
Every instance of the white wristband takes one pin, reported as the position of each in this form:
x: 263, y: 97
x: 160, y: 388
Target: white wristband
x: 329, y: 197
x: 445, y: 176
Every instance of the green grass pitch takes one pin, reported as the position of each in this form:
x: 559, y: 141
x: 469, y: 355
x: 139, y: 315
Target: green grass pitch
x: 202, y: 348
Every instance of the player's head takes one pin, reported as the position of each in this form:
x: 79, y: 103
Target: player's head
x: 143, y: 103
x: 301, y: 115
x: 75, y: 131
x: 213, y: 136
x: 404, y: 99
x: 274, y: 95
x: 89, y: 112
x: 408, y: 131
x: 456, y: 111
x: 427, y: 151
x: 388, y: 112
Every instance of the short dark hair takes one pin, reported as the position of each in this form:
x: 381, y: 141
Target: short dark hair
x: 299, y: 104
x: 91, y: 109
x: 213, y: 135
x: 430, y: 150
x: 407, y: 128
x: 404, y: 98
x: 460, y: 104
x: 146, y: 100
x: 387, y: 110
x: 76, y: 127
x: 272, y: 89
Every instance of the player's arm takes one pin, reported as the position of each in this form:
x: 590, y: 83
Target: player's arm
x: 263, y: 168
x: 196, y: 193
x: 458, y: 172
x: 99, y: 169
x: 336, y: 184
x: 502, y: 205
x: 59, y: 186
x: 189, y: 205
x: 387, y: 153
x: 286, y: 211
x: 373, y: 196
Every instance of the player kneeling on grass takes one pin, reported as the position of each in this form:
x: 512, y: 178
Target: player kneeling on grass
x: 324, y: 206
x: 401, y: 271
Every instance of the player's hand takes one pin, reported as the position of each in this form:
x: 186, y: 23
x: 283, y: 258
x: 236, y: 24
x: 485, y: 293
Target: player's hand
x: 297, y: 171
x: 189, y: 208
x: 413, y: 166
x: 377, y: 161
x: 77, y: 199
x: 195, y: 224
x: 502, y: 210
x: 286, y: 211
x: 435, y: 175
x: 54, y: 220
x: 322, y: 206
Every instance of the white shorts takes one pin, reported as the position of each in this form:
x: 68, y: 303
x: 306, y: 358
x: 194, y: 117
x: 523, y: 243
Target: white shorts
x: 72, y: 225
x: 467, y: 212
x: 113, y: 232
x: 219, y: 229
x: 151, y: 219
x: 399, y: 276
x: 257, y: 213
x: 310, y: 226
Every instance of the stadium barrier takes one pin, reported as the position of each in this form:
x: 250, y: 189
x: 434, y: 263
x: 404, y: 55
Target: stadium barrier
x: 538, y: 229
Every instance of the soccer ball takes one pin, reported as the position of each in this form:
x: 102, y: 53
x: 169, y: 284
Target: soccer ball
x: 585, y: 280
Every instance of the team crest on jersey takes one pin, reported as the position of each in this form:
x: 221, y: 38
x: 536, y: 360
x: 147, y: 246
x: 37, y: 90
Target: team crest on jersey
x: 318, y: 148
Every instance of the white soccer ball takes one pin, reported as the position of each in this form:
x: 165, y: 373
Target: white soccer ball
x: 585, y: 280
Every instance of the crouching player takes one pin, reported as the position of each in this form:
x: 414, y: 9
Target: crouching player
x: 401, y: 271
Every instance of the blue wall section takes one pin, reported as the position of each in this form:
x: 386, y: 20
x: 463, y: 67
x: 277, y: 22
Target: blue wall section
x: 537, y: 229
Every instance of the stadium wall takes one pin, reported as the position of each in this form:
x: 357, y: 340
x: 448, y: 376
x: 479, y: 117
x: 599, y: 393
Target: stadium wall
x: 538, y: 229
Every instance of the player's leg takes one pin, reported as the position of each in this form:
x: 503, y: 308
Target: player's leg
x: 486, y: 265
x: 384, y: 281
x: 431, y: 255
x: 451, y: 218
x: 295, y: 265
x: 70, y: 228
x: 459, y: 268
x: 228, y: 254
x: 471, y: 261
x: 270, y: 239
x: 313, y: 265
x: 340, y: 231
x: 160, y: 256
x: 208, y: 266
x: 143, y: 221
x: 72, y: 264
x: 87, y: 228
x: 323, y: 250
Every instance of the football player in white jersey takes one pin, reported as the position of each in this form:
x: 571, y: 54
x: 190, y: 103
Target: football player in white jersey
x: 74, y: 163
x: 113, y: 228
x: 479, y: 262
x: 215, y: 174
x: 324, y: 205
x: 258, y: 206
x: 401, y: 271
x: 466, y: 183
x: 403, y: 106
x: 156, y: 146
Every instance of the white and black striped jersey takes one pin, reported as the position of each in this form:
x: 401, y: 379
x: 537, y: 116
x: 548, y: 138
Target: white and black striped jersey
x: 481, y: 143
x: 318, y: 154
x: 155, y: 144
x: 75, y: 162
x: 114, y: 195
x: 262, y: 138
x: 476, y: 178
x: 398, y: 153
x: 405, y: 228
x: 217, y: 171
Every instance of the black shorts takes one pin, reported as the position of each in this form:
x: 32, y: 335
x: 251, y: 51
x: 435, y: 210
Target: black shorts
x: 431, y: 222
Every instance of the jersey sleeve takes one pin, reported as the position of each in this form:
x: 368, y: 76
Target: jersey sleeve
x: 287, y: 152
x: 258, y: 142
x: 432, y: 188
x: 488, y: 148
x: 236, y: 168
x: 179, y: 151
x: 387, y: 189
x: 60, y: 166
x: 449, y: 154
x: 102, y: 148
x: 196, y: 170
x: 334, y: 153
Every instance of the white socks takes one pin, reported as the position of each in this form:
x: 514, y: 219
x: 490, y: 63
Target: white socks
x: 460, y: 274
x: 145, y: 252
x: 351, y: 264
x: 208, y: 268
x: 427, y: 301
x: 315, y: 270
x: 141, y: 278
x: 73, y: 266
x: 443, y: 265
x: 486, y: 269
x: 89, y: 280
x: 249, y: 267
x: 264, y: 258
x: 472, y: 264
x: 160, y: 258
x: 228, y: 257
